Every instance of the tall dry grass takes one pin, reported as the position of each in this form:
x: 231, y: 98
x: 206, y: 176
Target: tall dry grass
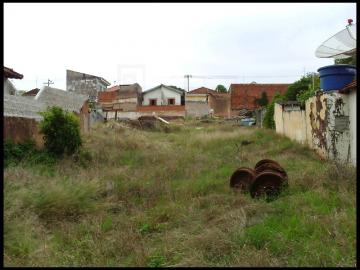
x: 153, y: 198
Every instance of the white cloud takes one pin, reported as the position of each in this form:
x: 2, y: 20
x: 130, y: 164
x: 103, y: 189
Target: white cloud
x: 169, y: 40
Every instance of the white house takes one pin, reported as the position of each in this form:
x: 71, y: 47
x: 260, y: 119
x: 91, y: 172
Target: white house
x: 9, y: 73
x: 163, y: 95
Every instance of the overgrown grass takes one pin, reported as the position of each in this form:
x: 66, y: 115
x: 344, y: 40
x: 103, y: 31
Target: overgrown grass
x: 158, y: 198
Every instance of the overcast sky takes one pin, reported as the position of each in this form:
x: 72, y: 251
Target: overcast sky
x: 154, y: 43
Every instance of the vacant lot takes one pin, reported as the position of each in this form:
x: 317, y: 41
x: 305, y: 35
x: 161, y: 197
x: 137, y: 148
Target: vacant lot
x: 162, y: 198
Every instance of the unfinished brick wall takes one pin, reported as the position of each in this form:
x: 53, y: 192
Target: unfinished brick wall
x: 19, y: 129
x: 220, y: 103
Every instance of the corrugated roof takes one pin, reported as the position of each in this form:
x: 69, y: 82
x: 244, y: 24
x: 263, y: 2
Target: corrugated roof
x: 19, y: 106
x: 56, y: 97
x: 10, y: 73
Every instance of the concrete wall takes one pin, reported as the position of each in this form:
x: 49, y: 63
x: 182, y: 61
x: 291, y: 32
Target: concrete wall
x: 259, y: 115
x: 171, y: 111
x: 327, y: 117
x: 327, y: 125
x: 352, y: 118
x: 196, y: 108
x: 162, y: 95
x: 84, y: 84
x: 290, y: 123
x: 9, y: 88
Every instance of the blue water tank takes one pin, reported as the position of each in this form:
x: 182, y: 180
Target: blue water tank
x: 335, y: 77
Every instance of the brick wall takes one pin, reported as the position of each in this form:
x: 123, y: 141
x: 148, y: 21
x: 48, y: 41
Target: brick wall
x: 220, y: 103
x: 20, y: 129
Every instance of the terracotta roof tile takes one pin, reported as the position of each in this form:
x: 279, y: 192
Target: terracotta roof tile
x: 10, y: 73
x: 202, y: 90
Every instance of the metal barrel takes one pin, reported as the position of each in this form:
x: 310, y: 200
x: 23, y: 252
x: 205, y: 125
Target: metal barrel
x: 266, y: 161
x: 242, y: 178
x: 267, y: 183
x: 275, y: 167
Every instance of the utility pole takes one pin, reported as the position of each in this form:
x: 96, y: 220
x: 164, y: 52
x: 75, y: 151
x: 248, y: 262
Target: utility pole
x: 188, y: 76
x: 49, y: 82
x: 313, y: 79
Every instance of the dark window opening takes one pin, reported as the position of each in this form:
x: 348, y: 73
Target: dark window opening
x: 171, y: 101
x: 152, y: 102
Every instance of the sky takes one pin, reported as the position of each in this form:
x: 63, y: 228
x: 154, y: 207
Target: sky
x: 159, y: 43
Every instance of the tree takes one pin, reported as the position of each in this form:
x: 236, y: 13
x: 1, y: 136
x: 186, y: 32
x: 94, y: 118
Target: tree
x: 311, y: 90
x: 221, y: 89
x: 269, y: 121
x: 349, y: 61
x: 61, y: 131
x: 300, y: 86
x: 263, y: 100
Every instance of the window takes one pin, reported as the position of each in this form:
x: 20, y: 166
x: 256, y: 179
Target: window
x: 152, y: 101
x: 171, y: 101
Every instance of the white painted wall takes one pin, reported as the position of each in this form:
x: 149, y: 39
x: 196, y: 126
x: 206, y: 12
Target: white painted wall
x: 352, y: 118
x: 161, y: 94
x: 9, y: 88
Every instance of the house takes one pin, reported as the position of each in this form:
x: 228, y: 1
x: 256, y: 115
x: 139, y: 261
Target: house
x: 197, y: 105
x: 202, y: 90
x: 220, y: 104
x: 163, y: 95
x: 124, y: 98
x: 165, y: 101
x: 244, y: 96
x: 68, y: 101
x: 204, y: 101
x: 9, y: 73
x: 85, y: 84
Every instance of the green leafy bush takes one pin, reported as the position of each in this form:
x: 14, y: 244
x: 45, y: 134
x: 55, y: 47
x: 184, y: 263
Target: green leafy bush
x: 61, y: 131
x: 269, y: 121
x: 14, y: 153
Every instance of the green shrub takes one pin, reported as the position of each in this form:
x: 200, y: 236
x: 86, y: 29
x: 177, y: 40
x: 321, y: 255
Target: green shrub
x: 269, y: 121
x: 14, y: 153
x: 61, y: 131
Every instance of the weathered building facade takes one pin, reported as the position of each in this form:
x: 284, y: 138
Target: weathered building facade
x: 196, y: 105
x: 220, y: 104
x: 9, y: 73
x: 327, y: 124
x: 244, y: 96
x: 121, y: 98
x: 68, y: 101
x: 163, y: 95
x: 204, y: 101
x: 85, y: 84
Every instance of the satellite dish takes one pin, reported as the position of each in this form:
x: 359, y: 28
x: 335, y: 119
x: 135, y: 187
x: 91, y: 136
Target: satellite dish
x: 339, y: 46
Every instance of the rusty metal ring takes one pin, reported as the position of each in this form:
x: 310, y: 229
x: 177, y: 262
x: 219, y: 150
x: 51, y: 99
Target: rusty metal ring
x: 242, y: 178
x: 267, y: 183
x: 266, y: 161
